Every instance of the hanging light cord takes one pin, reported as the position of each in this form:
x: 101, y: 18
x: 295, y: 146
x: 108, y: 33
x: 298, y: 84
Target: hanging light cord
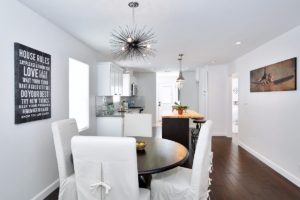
x: 133, y: 5
x: 133, y: 16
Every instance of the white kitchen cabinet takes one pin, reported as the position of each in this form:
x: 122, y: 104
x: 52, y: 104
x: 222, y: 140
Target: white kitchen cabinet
x: 112, y: 81
x: 128, y: 79
x: 109, y: 79
x: 120, y: 83
x: 110, y: 126
x: 126, y: 85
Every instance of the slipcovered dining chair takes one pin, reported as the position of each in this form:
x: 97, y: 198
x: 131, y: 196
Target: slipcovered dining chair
x: 183, y: 183
x: 106, y: 168
x: 63, y: 131
x: 138, y: 125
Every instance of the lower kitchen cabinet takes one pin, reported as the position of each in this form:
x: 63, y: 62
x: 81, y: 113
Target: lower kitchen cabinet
x: 110, y: 126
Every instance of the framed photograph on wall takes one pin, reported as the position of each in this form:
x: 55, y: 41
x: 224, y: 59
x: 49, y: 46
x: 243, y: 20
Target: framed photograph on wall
x: 281, y: 76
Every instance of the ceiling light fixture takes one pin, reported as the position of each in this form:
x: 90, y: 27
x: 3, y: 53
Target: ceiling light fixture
x: 180, y: 80
x: 238, y: 43
x: 132, y: 42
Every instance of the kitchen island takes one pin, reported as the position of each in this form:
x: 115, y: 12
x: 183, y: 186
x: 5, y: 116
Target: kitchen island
x: 175, y: 127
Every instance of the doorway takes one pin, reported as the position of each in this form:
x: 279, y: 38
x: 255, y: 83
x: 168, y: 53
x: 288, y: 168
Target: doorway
x: 167, y: 93
x: 235, y: 105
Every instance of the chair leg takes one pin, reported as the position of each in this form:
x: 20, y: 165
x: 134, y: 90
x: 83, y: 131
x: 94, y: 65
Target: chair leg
x: 194, y: 137
x: 145, y: 181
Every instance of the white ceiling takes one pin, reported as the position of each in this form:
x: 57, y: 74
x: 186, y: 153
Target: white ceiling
x: 204, y: 30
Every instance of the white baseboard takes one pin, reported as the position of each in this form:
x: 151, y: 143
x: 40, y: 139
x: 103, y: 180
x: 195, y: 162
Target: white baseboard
x: 48, y: 190
x: 271, y: 164
x: 219, y: 134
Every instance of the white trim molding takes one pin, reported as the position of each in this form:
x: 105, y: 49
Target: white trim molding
x: 219, y: 133
x: 271, y: 164
x: 48, y: 190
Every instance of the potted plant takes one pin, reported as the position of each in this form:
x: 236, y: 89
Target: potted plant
x: 180, y: 108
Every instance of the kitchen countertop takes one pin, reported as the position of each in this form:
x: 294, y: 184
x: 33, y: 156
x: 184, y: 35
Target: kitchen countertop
x: 186, y: 114
x: 114, y: 114
x: 119, y: 114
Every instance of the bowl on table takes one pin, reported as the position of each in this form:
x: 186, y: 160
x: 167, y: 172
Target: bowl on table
x: 140, y: 145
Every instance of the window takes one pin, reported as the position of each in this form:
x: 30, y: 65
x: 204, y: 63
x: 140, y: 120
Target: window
x: 79, y: 93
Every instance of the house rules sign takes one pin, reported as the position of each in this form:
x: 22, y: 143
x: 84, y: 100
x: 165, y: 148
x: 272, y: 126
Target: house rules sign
x: 32, y: 84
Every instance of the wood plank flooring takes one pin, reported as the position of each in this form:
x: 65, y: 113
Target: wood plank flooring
x: 238, y: 175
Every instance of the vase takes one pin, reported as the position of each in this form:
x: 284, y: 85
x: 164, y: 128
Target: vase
x: 180, y: 111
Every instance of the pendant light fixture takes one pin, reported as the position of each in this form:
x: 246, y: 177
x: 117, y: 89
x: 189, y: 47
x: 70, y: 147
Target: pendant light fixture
x: 132, y: 42
x: 180, y: 79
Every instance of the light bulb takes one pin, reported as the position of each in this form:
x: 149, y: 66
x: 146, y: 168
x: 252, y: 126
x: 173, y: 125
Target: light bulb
x: 129, y: 39
x: 148, y: 46
x: 123, y: 48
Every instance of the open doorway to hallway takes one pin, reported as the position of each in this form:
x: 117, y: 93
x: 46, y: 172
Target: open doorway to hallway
x: 167, y: 93
x: 235, y: 107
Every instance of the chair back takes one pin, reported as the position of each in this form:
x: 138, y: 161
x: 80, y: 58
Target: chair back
x: 201, y: 163
x: 105, y: 167
x: 63, y: 131
x: 138, y: 125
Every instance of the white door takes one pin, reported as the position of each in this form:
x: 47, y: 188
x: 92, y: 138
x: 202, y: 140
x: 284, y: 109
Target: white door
x: 203, y: 91
x: 166, y: 98
x: 167, y: 93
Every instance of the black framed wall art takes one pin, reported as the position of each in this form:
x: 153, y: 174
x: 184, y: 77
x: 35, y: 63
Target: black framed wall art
x: 32, y: 84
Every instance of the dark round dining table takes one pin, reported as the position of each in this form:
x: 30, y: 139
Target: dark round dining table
x: 160, y: 155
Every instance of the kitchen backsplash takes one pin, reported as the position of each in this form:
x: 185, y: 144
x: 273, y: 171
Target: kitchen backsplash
x: 106, y: 105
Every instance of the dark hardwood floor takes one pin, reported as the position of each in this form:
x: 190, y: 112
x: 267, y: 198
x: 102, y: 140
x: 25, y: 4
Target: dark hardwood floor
x: 238, y: 175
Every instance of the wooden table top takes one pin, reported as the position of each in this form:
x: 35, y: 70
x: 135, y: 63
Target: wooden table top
x: 186, y: 114
x: 160, y: 155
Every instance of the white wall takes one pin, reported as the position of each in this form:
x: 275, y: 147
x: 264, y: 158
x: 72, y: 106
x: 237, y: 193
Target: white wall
x: 189, y: 92
x: 218, y: 98
x: 28, y: 161
x: 269, y: 121
x: 146, y: 82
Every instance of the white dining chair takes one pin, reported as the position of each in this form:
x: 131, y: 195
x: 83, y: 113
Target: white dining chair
x: 138, y: 125
x: 183, y: 183
x: 106, y: 168
x: 63, y: 131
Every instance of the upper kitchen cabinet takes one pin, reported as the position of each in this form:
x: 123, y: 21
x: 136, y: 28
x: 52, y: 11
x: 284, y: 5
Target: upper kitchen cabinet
x: 128, y: 80
x: 109, y: 79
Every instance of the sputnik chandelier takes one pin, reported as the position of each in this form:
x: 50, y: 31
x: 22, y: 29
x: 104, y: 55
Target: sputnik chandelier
x: 132, y: 42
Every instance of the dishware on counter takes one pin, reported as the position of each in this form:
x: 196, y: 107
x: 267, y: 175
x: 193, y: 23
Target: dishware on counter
x: 110, y: 108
